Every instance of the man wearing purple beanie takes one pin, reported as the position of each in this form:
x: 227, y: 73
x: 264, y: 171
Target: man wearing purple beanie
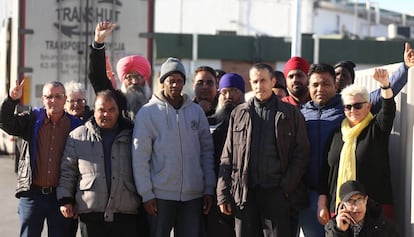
x: 231, y: 93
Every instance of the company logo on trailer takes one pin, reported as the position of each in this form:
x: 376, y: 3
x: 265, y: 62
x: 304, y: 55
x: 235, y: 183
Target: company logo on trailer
x: 71, y: 16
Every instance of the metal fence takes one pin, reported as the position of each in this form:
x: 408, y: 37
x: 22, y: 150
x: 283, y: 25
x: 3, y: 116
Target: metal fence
x: 401, y: 146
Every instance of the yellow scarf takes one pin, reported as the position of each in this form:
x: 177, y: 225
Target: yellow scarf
x: 347, y: 161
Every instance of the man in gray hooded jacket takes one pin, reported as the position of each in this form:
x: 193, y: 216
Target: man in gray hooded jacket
x: 173, y: 157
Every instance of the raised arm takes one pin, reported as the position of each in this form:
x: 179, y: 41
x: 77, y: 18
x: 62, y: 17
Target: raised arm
x: 12, y: 123
x: 397, y: 80
x: 97, y: 64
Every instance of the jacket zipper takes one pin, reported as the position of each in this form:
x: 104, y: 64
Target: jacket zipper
x: 181, y: 152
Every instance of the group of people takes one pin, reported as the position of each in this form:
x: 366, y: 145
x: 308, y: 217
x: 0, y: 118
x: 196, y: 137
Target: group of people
x: 304, y: 153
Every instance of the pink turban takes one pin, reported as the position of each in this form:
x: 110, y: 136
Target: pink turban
x: 133, y: 63
x: 294, y: 64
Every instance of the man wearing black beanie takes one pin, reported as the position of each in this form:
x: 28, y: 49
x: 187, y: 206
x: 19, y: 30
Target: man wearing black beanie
x: 345, y: 74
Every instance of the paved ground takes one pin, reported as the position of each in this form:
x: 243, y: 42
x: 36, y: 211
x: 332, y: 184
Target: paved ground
x: 9, y: 220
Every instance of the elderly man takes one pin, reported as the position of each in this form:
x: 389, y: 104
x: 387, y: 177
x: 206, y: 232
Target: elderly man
x: 133, y: 72
x: 173, y: 157
x: 76, y: 101
x: 205, y: 89
x: 296, y: 70
x: 358, y: 215
x: 44, y: 132
x: 263, y: 160
x: 96, y: 173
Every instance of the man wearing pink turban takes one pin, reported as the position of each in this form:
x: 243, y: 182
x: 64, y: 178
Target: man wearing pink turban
x: 133, y: 72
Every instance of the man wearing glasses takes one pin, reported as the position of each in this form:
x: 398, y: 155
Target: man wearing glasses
x: 359, y: 216
x: 134, y: 73
x: 44, y: 132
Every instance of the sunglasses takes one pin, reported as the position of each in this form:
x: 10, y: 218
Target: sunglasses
x: 355, y: 106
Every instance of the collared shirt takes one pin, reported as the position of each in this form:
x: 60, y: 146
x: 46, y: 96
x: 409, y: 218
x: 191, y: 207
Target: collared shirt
x: 356, y: 228
x: 51, y: 144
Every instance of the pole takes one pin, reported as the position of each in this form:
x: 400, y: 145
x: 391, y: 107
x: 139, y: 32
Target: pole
x: 296, y: 34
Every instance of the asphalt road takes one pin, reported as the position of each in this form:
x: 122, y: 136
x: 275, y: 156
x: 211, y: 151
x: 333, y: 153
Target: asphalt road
x: 9, y: 220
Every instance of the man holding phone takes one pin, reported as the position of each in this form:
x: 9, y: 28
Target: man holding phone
x: 359, y: 216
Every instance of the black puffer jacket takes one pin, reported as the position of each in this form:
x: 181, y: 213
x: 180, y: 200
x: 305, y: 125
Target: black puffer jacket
x: 375, y: 224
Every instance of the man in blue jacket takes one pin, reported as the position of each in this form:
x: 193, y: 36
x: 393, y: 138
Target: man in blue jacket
x: 44, y: 132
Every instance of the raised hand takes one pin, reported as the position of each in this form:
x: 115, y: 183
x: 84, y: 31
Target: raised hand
x: 381, y: 76
x: 408, y: 55
x: 102, y: 30
x: 16, y: 92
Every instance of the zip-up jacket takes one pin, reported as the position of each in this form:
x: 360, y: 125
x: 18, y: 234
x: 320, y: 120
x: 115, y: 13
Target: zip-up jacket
x: 292, y: 146
x: 375, y: 224
x: 83, y: 176
x: 26, y: 126
x: 321, y: 122
x: 172, y: 151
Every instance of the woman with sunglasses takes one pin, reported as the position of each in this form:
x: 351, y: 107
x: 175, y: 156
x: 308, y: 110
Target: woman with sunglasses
x: 359, y: 149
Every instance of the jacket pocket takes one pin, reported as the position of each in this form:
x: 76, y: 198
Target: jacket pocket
x: 239, y: 134
x: 129, y: 199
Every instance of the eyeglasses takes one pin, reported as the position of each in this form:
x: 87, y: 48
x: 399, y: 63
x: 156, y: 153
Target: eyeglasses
x: 78, y: 101
x: 355, y: 202
x: 56, y: 96
x: 355, y: 106
x: 131, y: 77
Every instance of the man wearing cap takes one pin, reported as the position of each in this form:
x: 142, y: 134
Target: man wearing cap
x: 173, y: 157
x: 359, y: 216
x: 263, y: 160
x: 296, y: 70
x: 133, y: 72
x: 205, y: 89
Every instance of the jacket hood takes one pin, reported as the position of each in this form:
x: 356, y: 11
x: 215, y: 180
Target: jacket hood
x: 159, y: 98
x: 374, y: 209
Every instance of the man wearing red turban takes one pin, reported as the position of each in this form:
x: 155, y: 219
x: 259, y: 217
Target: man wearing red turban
x: 296, y: 70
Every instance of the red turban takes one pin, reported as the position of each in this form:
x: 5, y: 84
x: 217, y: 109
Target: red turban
x: 133, y: 63
x: 295, y: 63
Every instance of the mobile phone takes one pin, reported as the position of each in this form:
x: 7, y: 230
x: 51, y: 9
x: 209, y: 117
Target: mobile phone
x: 343, y: 207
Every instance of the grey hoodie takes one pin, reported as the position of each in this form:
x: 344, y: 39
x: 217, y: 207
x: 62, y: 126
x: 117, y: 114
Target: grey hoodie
x: 172, y: 151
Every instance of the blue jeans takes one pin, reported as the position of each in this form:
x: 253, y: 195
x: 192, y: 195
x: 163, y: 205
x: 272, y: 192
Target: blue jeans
x: 184, y: 217
x: 34, y: 208
x: 308, y: 220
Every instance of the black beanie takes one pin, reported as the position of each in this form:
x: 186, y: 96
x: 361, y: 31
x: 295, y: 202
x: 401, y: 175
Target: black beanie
x: 349, y: 65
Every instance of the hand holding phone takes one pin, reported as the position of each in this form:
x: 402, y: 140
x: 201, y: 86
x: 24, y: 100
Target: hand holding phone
x: 343, y: 218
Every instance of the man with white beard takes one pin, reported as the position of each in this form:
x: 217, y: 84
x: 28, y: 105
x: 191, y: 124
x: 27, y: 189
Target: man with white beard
x: 133, y: 72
